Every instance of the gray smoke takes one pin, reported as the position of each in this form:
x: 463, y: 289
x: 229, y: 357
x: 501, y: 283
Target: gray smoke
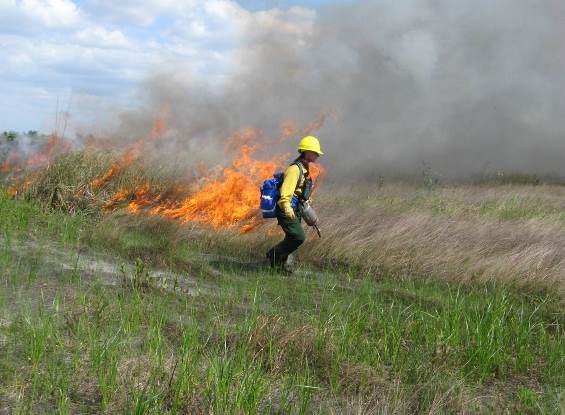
x: 463, y: 85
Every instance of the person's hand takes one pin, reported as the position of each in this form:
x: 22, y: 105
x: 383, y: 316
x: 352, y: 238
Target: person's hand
x: 289, y: 213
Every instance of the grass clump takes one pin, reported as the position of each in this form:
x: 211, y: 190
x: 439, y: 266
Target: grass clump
x: 507, y: 178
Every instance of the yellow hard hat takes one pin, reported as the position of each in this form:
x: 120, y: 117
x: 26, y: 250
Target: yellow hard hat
x: 310, y: 143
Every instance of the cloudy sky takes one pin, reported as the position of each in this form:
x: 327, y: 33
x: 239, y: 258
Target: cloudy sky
x: 91, y: 57
x: 459, y: 84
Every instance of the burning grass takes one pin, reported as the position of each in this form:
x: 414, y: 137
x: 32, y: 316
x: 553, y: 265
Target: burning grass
x: 43, y: 154
x: 508, y: 233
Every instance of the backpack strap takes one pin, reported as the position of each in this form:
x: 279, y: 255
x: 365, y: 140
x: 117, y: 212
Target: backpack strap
x: 301, y: 172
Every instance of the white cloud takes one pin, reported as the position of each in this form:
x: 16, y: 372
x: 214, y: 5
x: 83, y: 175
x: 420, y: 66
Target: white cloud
x: 34, y: 17
x: 52, y: 12
x: 100, y: 37
x: 296, y: 21
x: 105, y: 48
x: 138, y: 12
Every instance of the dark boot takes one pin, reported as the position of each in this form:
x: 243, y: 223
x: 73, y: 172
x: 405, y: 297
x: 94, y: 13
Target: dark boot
x: 275, y: 259
x: 288, y: 265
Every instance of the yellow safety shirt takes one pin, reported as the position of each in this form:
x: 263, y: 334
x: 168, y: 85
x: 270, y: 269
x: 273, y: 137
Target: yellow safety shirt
x: 289, y: 187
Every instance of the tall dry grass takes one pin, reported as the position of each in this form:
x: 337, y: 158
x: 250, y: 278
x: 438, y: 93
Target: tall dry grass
x: 521, y: 251
x: 488, y: 232
x: 511, y: 233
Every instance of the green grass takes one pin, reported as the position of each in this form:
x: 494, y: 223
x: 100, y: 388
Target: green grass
x: 247, y: 340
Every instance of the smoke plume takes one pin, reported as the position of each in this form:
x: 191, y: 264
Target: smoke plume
x: 462, y: 85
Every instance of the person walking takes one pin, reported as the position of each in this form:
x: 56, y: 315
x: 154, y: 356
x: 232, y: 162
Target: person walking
x: 295, y: 189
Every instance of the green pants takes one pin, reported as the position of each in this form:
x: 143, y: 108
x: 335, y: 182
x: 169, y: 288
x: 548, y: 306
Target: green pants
x: 294, y: 237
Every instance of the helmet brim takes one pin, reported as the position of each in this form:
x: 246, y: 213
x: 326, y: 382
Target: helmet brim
x: 302, y: 150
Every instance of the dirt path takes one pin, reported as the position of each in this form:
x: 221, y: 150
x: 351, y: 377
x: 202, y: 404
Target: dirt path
x: 51, y: 258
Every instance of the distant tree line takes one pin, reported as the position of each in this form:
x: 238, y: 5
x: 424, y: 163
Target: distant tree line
x: 13, y: 135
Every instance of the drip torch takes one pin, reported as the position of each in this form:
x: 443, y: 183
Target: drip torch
x: 309, y: 215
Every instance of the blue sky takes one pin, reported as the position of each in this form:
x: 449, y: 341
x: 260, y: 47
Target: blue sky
x: 92, y: 56
x: 268, y: 4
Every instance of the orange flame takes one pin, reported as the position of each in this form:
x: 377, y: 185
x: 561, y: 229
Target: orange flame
x: 12, y: 164
x: 130, y: 155
x: 229, y: 199
x: 17, y: 188
x: 143, y: 197
x: 223, y: 201
x: 221, y: 198
x: 16, y: 162
x: 289, y: 129
x: 158, y: 129
x: 159, y: 124
x: 317, y: 171
x: 119, y: 197
x: 54, y: 147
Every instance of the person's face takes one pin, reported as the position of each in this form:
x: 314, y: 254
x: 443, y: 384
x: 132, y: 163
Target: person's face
x: 311, y: 156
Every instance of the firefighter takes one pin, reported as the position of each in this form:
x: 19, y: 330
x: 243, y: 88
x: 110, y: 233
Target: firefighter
x: 296, y: 188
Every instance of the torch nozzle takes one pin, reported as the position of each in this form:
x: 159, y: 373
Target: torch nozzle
x: 318, y: 231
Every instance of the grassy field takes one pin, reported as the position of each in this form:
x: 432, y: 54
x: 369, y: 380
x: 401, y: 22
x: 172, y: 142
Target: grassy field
x: 507, y: 230
x: 443, y: 299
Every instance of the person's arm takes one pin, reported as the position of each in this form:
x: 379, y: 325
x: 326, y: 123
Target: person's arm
x: 288, y: 188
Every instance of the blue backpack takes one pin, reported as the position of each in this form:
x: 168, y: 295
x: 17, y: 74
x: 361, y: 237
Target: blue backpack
x: 271, y: 193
